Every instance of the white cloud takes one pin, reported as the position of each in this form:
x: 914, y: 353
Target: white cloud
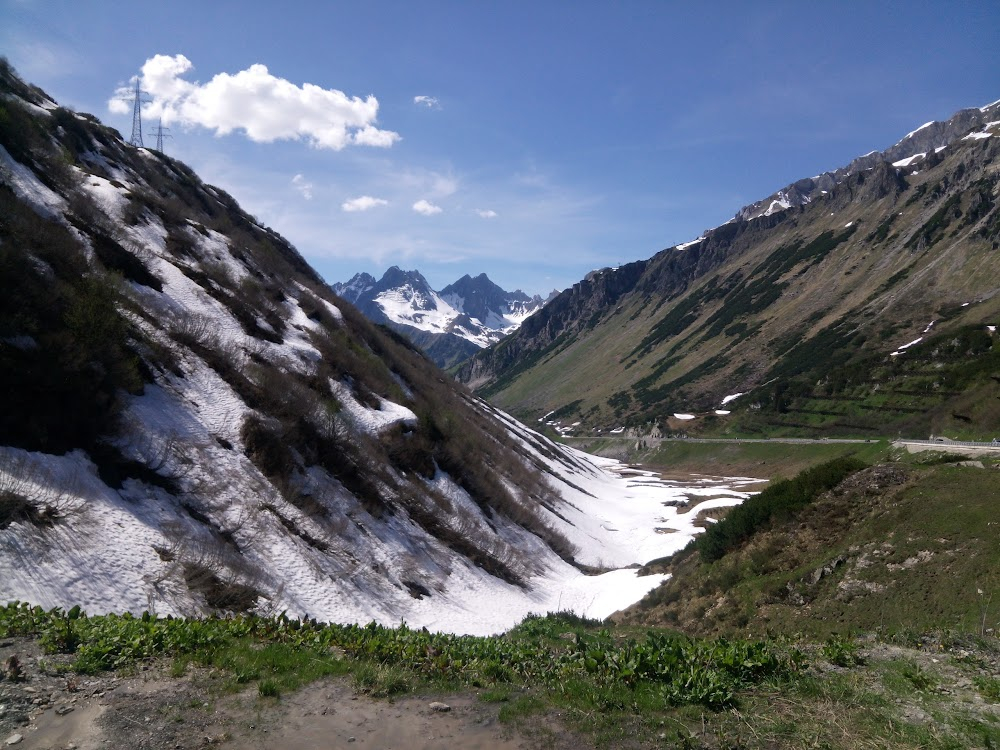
x: 486, y: 213
x: 267, y: 108
x: 118, y: 105
x: 426, y: 208
x: 363, y: 203
x: 430, y: 102
x: 303, y: 186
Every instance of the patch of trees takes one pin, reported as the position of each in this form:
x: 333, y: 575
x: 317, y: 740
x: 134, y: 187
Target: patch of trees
x: 779, y: 502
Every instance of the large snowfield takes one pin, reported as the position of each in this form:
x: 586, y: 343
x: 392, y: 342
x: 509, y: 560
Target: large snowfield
x: 103, y: 554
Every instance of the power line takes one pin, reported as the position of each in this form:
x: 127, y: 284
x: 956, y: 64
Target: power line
x: 139, y: 98
x: 160, y: 133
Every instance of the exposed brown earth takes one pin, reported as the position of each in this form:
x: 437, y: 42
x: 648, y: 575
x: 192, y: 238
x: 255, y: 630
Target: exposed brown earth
x: 150, y: 710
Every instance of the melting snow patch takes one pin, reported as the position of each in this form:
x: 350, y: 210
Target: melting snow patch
x: 729, y: 398
x: 780, y: 204
x: 912, y: 132
x: 991, y: 329
x: 689, y: 244
x: 904, y: 347
x: 683, y: 416
x: 722, y: 412
x: 908, y: 160
x: 28, y: 187
x: 848, y: 224
x: 371, y: 421
x: 977, y: 136
x: 111, y: 199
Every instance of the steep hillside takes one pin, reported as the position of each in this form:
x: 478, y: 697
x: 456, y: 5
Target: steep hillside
x: 811, y: 305
x: 448, y: 326
x: 191, y: 421
x: 901, y: 547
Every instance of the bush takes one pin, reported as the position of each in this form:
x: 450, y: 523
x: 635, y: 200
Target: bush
x: 779, y: 501
x: 73, y: 357
x: 266, y: 448
x: 15, y: 507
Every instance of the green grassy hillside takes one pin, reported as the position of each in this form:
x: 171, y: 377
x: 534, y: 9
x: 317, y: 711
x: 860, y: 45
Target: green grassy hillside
x: 895, y: 548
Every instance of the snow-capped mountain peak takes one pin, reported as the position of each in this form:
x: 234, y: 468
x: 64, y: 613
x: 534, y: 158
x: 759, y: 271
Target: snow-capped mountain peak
x: 470, y: 314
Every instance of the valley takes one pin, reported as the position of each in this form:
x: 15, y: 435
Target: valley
x: 681, y: 504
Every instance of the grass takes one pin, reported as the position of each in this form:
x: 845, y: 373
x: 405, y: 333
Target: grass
x: 569, y: 679
x: 275, y: 667
x: 763, y: 459
x: 900, y: 548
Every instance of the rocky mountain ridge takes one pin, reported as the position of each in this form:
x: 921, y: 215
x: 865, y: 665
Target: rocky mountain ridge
x: 861, y: 267
x: 449, y: 325
x: 929, y: 138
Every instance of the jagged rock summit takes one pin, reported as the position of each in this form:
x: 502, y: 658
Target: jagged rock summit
x: 449, y: 325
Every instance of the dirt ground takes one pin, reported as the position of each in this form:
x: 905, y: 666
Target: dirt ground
x: 151, y: 710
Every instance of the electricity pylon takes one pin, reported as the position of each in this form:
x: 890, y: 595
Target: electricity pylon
x: 160, y: 133
x: 139, y: 98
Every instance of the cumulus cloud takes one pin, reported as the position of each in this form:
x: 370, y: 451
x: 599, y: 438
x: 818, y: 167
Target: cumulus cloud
x: 426, y: 208
x: 486, y: 213
x: 303, y: 186
x: 363, y: 203
x: 430, y: 102
x: 265, y: 107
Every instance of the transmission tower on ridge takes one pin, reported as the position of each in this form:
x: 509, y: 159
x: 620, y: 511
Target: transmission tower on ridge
x: 137, y: 102
x: 160, y: 133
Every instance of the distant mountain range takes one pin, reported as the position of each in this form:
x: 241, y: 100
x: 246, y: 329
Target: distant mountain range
x: 863, y: 300
x: 450, y: 325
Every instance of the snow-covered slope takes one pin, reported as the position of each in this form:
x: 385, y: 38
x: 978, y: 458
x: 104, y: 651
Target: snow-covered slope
x: 463, y: 317
x: 135, y: 548
x: 192, y: 422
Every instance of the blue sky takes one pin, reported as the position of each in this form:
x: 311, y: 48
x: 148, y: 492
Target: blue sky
x: 534, y: 141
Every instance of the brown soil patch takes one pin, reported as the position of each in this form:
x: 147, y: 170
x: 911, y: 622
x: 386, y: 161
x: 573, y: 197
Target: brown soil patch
x: 151, y: 710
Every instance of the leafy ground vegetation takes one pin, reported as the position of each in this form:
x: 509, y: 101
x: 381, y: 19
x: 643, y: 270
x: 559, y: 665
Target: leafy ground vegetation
x: 559, y: 662
x: 560, y: 680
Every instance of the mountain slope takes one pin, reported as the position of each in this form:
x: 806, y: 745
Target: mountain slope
x: 884, y: 551
x: 450, y: 325
x: 800, y: 308
x: 192, y: 422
